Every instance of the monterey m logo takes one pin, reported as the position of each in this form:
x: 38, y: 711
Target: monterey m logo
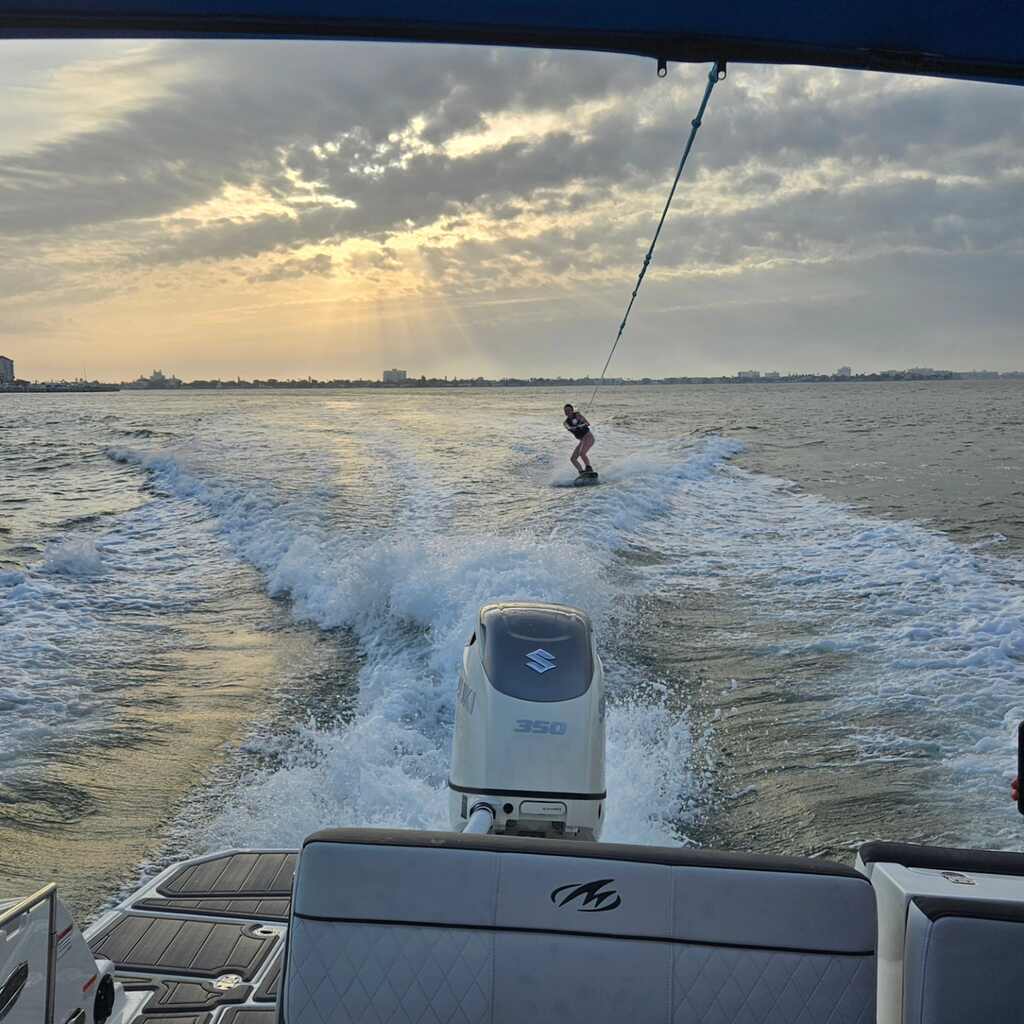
x: 589, y: 893
x: 540, y: 661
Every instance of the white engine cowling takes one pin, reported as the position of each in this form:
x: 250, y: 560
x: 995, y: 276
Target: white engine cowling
x: 529, y: 723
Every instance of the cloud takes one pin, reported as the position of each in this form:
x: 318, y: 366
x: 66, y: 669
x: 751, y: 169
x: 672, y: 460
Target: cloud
x: 320, y: 265
x: 469, y: 173
x: 237, y: 106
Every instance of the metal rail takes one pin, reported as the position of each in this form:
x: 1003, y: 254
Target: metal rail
x: 48, y: 893
x: 23, y: 906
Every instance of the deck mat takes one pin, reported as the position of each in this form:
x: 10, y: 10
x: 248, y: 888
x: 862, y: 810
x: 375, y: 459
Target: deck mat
x: 171, y: 945
x: 176, y: 1018
x: 249, y: 1015
x: 267, y: 992
x: 136, y: 982
x: 276, y: 909
x: 233, y: 875
x: 192, y: 997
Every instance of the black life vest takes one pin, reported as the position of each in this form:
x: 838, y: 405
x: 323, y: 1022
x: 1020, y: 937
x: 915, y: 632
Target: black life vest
x: 576, y: 425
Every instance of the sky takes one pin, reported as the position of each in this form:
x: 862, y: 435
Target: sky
x: 280, y: 209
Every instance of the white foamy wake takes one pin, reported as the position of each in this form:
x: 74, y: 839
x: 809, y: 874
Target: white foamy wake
x: 77, y: 556
x: 637, y: 489
x: 931, y: 632
x: 412, y: 604
x: 411, y: 600
x: 652, y: 775
x: 40, y: 694
x: 75, y: 626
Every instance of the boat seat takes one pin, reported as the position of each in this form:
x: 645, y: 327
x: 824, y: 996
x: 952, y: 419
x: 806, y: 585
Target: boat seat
x: 962, y: 959
x: 428, y: 926
x: 951, y: 932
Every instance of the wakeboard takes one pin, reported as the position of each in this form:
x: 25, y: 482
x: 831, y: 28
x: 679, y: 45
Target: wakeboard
x: 586, y: 480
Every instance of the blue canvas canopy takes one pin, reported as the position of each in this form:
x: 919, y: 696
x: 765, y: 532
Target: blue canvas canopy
x: 977, y: 39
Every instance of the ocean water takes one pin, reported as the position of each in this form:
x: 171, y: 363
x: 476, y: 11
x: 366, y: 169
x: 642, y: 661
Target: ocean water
x: 233, y: 618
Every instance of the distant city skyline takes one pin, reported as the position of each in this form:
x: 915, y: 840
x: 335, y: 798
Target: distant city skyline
x: 286, y: 369
x: 396, y: 376
x: 159, y: 380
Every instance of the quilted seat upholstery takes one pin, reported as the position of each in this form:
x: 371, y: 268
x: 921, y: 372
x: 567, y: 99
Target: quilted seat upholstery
x: 475, y: 931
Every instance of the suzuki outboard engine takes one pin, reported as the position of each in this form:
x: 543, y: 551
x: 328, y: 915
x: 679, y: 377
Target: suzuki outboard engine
x: 528, y: 752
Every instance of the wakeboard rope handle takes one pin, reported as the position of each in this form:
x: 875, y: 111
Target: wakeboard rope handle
x: 715, y: 75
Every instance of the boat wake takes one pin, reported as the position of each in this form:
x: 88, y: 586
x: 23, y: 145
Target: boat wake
x: 927, y: 629
x: 409, y: 596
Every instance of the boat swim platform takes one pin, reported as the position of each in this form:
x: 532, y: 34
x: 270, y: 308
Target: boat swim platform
x: 203, y: 943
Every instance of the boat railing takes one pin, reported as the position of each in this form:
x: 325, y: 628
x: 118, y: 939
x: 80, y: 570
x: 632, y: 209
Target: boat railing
x: 15, y: 970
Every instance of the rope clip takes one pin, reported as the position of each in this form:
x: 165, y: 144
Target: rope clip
x: 662, y: 67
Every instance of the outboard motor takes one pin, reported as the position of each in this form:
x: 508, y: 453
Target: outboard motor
x: 528, y: 752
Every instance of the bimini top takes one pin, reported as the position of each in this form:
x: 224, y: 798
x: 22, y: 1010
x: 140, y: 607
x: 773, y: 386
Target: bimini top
x: 976, y: 39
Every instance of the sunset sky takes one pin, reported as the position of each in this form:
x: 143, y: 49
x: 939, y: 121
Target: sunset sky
x: 279, y: 209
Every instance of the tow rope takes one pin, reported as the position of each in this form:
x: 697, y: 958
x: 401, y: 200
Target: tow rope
x: 715, y: 75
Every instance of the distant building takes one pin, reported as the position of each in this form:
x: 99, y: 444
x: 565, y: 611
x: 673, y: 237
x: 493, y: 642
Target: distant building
x: 844, y: 371
x: 394, y: 376
x: 6, y: 370
x: 156, y: 380
x: 748, y: 375
x: 772, y: 375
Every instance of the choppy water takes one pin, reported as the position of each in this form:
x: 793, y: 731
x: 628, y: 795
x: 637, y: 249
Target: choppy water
x: 232, y: 618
